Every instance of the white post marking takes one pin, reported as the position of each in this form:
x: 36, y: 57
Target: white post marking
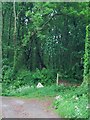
x: 57, y: 79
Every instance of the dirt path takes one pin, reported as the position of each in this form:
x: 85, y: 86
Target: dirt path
x: 26, y: 108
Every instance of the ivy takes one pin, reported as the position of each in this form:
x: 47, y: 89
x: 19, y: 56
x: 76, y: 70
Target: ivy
x: 87, y: 54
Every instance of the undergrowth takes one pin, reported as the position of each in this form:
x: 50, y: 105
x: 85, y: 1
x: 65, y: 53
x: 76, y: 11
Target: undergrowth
x: 73, y: 103
x: 32, y: 91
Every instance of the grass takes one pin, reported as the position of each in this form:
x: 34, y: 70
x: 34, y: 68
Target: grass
x: 0, y: 88
x: 73, y: 102
x: 33, y: 92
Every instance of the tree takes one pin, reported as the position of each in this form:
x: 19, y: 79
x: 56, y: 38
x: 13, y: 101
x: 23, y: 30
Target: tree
x: 0, y: 46
x: 14, y: 36
x: 45, y: 35
x: 87, y: 56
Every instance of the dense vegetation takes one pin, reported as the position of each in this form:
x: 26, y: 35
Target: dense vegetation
x: 87, y: 56
x: 40, y: 40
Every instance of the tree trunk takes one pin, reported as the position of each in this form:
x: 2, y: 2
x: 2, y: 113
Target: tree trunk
x: 87, y: 56
x: 14, y: 37
x: 0, y: 43
x: 39, y: 58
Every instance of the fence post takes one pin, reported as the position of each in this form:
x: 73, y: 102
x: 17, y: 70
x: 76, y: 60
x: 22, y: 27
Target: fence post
x: 57, y: 79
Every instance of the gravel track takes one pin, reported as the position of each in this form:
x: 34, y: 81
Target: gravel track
x: 27, y: 108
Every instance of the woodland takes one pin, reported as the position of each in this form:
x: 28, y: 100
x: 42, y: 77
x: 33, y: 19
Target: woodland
x: 40, y: 40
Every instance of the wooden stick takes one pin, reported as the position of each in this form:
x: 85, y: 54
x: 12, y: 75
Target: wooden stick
x: 57, y: 79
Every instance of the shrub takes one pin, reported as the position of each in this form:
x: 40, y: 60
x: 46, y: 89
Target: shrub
x: 45, y: 76
x: 7, y: 74
x: 24, y: 76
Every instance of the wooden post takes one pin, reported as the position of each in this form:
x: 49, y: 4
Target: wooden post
x: 57, y: 79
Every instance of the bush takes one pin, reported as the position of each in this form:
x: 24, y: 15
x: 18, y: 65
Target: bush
x: 7, y: 74
x: 45, y: 76
x: 26, y: 77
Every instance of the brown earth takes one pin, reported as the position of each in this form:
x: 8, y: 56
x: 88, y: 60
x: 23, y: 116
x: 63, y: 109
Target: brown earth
x: 66, y: 83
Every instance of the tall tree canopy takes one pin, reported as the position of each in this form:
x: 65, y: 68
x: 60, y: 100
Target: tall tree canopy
x: 48, y: 35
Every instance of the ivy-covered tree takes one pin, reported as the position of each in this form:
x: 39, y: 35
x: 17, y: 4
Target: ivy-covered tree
x: 87, y: 56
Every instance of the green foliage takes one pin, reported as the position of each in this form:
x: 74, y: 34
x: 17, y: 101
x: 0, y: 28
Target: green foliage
x: 45, y: 76
x: 26, y: 77
x: 7, y: 74
x: 0, y: 89
x: 73, y: 104
x: 87, y: 55
x: 33, y: 92
x: 49, y: 35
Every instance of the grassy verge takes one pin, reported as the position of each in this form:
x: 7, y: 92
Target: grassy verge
x: 0, y: 88
x: 73, y: 103
x: 33, y: 92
